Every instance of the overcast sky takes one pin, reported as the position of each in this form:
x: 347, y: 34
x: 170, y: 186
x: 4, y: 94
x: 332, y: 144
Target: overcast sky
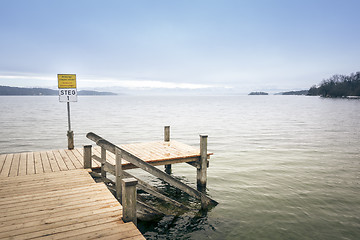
x: 244, y: 45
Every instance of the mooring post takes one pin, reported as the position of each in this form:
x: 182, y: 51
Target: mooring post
x: 87, y: 156
x: 167, y: 139
x: 202, y: 169
x: 103, y: 160
x: 70, y: 136
x: 129, y: 199
x: 118, y: 174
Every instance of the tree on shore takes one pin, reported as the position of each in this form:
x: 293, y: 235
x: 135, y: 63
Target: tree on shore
x: 338, y: 86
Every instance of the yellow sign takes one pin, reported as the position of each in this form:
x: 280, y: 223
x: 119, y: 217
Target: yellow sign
x: 67, y: 80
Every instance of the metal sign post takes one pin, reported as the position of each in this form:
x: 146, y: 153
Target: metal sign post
x: 68, y: 93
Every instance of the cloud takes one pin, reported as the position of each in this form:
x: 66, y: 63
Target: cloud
x: 133, y: 84
x: 93, y: 82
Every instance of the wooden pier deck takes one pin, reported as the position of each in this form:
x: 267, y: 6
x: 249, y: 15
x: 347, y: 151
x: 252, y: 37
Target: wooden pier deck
x: 49, y: 194
x: 155, y: 153
x: 59, y: 205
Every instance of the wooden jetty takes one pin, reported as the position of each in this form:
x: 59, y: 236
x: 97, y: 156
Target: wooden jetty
x: 51, y: 193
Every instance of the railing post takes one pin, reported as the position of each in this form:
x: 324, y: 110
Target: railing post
x: 103, y: 158
x: 87, y: 156
x: 118, y: 174
x: 167, y: 139
x: 129, y: 199
x: 202, y: 170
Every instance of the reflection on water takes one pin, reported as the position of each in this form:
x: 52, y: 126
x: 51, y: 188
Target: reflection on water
x: 284, y: 167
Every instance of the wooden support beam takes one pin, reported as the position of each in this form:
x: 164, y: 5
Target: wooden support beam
x: 197, y: 163
x: 129, y: 199
x: 201, y: 176
x: 141, y: 184
x: 118, y: 174
x: 146, y: 212
x: 167, y: 133
x: 103, y: 158
x: 107, y: 166
x: 87, y: 156
x: 167, y: 139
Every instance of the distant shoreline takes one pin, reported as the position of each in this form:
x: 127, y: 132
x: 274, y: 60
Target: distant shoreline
x: 18, y: 91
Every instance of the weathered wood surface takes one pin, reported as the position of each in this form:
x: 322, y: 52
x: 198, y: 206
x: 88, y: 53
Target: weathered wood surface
x: 155, y: 153
x: 60, y: 205
x: 29, y: 163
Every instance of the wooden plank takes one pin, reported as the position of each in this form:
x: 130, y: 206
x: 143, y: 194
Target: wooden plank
x: 102, y: 231
x: 53, y: 163
x: 89, y: 206
x: 153, y: 151
x: 54, y: 189
x: 15, y: 165
x: 50, y: 205
x: 66, y: 159
x: 112, y: 231
x: 18, y: 190
x: 6, y: 166
x: 38, y: 164
x: 82, y: 172
x: 24, y: 216
x: 82, y: 210
x: 37, y: 225
x: 73, y: 159
x: 30, y: 164
x: 2, y: 161
x: 45, y: 162
x: 64, y: 228
x: 33, y: 222
x: 79, y: 155
x: 22, y: 164
x: 21, y: 178
x: 20, y: 200
x: 60, y: 161
x: 54, y: 185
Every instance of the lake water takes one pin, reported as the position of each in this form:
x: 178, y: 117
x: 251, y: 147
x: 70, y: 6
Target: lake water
x: 284, y: 167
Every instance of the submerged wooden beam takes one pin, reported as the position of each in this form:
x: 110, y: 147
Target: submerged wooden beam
x: 141, y: 184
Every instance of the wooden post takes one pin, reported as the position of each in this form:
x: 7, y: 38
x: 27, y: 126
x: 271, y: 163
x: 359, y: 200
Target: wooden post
x: 70, y: 135
x: 87, y: 156
x: 118, y: 174
x: 202, y: 170
x: 167, y: 139
x: 129, y: 199
x: 103, y: 158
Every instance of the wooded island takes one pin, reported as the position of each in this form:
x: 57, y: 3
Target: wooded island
x: 338, y: 86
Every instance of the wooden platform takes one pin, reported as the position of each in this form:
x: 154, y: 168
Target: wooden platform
x: 60, y: 205
x: 156, y: 153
